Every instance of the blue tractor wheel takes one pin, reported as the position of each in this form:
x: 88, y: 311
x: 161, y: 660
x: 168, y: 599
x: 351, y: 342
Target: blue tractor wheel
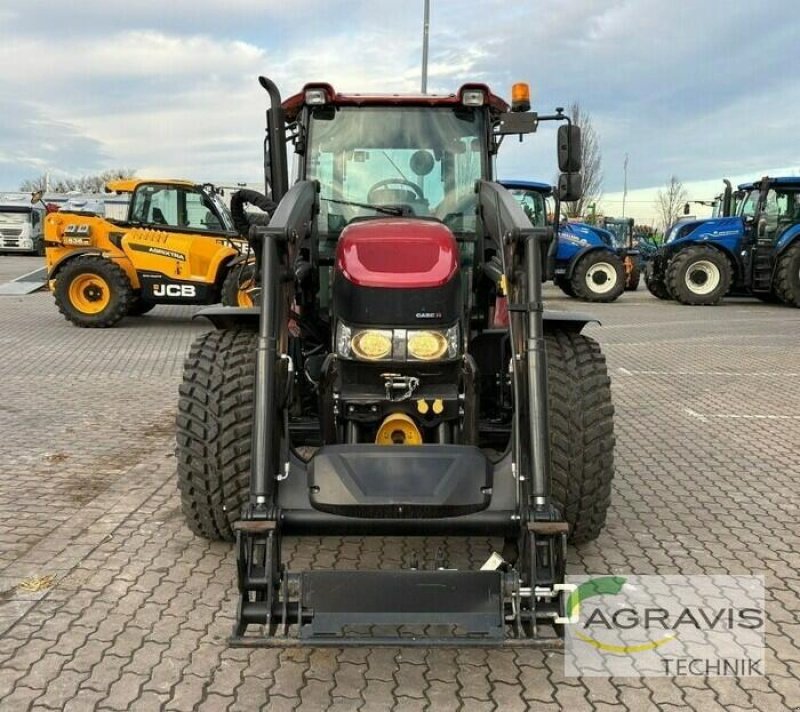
x: 598, y: 277
x: 699, y: 275
x: 787, y: 278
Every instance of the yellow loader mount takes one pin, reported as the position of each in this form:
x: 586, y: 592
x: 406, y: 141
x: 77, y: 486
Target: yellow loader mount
x: 178, y: 245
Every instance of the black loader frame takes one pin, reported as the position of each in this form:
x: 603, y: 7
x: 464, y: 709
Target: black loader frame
x: 519, y: 601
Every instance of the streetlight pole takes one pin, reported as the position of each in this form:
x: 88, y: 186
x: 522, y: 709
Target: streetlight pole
x: 625, y: 184
x: 425, y: 25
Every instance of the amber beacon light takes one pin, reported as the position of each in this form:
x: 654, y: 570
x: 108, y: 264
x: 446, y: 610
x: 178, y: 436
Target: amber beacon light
x: 520, y: 97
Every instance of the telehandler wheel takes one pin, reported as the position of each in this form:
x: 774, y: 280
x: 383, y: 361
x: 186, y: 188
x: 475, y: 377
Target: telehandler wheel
x: 699, y: 276
x: 139, y: 307
x: 787, y: 277
x: 655, y: 286
x: 598, y: 277
x: 92, y: 291
x: 237, y: 289
x: 581, y: 432
x: 632, y: 279
x: 214, y: 423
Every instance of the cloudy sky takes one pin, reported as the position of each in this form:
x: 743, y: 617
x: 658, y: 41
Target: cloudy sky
x: 701, y: 89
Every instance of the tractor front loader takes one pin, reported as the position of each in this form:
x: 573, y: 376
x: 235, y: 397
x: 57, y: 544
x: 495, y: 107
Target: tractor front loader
x: 368, y: 394
x: 178, y: 245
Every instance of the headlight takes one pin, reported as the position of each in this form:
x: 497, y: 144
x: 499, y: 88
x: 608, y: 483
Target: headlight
x: 426, y: 345
x: 396, y: 344
x: 372, y: 345
x: 433, y: 345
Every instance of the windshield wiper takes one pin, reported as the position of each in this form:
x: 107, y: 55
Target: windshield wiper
x: 398, y: 212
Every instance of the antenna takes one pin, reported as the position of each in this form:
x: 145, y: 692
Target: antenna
x: 625, y: 184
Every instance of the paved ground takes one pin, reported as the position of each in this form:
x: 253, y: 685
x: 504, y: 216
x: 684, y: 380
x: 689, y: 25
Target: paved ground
x: 133, y: 610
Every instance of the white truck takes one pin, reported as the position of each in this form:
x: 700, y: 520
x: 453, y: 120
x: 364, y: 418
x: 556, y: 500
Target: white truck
x: 21, y: 224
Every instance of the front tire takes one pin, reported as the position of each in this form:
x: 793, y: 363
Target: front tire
x: 598, y: 277
x: 581, y: 432
x: 239, y: 286
x: 93, y: 292
x: 699, y: 276
x: 214, y: 426
x: 787, y: 277
x: 139, y: 307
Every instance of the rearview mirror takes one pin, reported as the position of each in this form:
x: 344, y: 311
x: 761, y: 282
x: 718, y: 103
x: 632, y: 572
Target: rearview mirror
x: 569, y: 148
x: 570, y: 187
x: 686, y: 208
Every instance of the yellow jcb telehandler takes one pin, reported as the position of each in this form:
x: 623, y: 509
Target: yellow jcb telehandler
x: 178, y: 245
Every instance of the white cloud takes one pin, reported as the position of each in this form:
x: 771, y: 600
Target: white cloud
x: 699, y: 89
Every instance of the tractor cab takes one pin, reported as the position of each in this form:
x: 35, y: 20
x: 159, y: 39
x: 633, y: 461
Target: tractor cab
x: 770, y: 210
x: 536, y: 199
x: 622, y: 230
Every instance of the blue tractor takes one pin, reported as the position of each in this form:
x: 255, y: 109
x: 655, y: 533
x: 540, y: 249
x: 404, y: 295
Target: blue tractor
x: 586, y: 262
x: 755, y: 252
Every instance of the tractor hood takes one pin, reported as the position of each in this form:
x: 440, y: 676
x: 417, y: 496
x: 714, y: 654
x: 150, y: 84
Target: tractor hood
x: 707, y: 229
x: 397, y: 272
x: 397, y: 253
x: 586, y: 234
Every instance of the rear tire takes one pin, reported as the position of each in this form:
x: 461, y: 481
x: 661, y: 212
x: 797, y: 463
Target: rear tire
x: 787, y: 277
x: 598, y: 277
x: 655, y: 286
x: 581, y: 432
x: 93, y: 292
x: 768, y: 297
x: 564, y: 285
x: 214, y: 425
x: 699, y: 276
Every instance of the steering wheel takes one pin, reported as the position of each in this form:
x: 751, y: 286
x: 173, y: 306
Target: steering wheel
x: 383, y: 184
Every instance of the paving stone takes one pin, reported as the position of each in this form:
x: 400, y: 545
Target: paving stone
x: 141, y: 608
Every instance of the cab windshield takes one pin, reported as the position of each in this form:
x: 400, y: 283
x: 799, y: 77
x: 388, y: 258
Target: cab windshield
x: 534, y: 205
x: 14, y: 218
x: 180, y: 207
x: 415, y: 161
x: 748, y: 206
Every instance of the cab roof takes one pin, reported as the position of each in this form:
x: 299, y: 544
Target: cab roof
x: 294, y: 104
x: 128, y: 185
x: 536, y: 186
x: 787, y: 180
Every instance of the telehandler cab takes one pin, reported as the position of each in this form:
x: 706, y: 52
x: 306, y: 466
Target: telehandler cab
x: 368, y: 394
x: 178, y: 245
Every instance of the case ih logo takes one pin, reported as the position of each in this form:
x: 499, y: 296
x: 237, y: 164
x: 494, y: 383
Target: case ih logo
x: 429, y: 315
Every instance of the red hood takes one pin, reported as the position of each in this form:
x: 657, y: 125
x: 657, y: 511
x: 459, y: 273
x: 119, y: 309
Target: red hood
x: 398, y: 253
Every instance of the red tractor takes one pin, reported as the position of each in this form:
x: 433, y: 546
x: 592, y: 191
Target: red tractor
x: 370, y: 393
